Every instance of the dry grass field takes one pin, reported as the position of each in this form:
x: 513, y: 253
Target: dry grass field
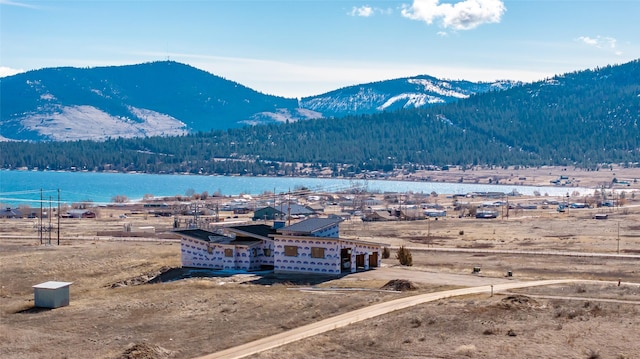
x: 531, y: 176
x: 114, y: 314
x: 503, y: 326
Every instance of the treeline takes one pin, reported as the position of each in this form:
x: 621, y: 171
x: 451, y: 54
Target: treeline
x: 348, y: 145
x: 582, y: 119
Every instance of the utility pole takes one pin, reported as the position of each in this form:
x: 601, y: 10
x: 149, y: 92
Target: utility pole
x: 58, y: 216
x: 507, y: 207
x: 49, y: 229
x: 428, y: 232
x: 217, y: 211
x: 289, y: 206
x: 618, y: 237
x: 40, y: 218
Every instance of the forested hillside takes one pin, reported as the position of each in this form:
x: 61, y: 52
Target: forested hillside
x: 167, y: 98
x: 583, y: 119
x: 49, y: 103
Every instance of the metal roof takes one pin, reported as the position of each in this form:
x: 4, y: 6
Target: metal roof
x: 294, y: 209
x: 52, y: 285
x: 310, y: 225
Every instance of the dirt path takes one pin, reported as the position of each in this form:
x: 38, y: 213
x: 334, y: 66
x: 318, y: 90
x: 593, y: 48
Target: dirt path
x: 366, y: 313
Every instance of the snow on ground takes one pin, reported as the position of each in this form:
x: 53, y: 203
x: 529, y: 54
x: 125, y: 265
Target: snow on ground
x: 440, y: 89
x: 413, y: 99
x: 70, y: 123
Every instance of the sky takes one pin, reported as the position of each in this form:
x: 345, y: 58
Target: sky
x: 297, y: 48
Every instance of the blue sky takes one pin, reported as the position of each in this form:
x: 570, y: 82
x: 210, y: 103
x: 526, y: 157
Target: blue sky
x: 300, y: 48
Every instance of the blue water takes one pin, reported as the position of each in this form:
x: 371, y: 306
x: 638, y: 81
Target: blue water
x: 25, y: 187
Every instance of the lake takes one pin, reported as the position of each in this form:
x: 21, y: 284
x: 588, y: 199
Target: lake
x: 25, y: 187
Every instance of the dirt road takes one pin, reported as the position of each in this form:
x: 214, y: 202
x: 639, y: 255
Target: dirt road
x: 366, y: 313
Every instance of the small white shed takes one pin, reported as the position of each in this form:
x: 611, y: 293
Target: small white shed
x: 51, y: 294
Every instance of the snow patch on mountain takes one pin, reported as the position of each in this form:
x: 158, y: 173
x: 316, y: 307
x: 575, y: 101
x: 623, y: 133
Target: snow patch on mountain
x: 505, y: 84
x: 412, y: 100
x: 99, y: 93
x: 71, y: 123
x: 282, y: 115
x: 309, y: 114
x: 441, y: 88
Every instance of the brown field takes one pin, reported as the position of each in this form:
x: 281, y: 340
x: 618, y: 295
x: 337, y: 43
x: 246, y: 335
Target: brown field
x: 115, y: 314
x: 532, y: 176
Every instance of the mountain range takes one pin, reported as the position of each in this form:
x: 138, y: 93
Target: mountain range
x: 168, y: 98
x: 584, y: 118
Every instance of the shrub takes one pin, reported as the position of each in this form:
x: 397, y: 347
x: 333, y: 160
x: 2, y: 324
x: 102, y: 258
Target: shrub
x: 386, y: 253
x: 489, y: 331
x: 593, y: 354
x: 404, y: 256
x: 415, y: 322
x: 466, y: 350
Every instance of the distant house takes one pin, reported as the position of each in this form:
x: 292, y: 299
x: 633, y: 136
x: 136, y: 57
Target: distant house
x: 155, y: 205
x: 282, y: 211
x: 341, y: 216
x: 158, y: 209
x: 372, y: 201
x: 241, y: 210
x: 579, y: 205
x: 410, y: 214
x: 10, y: 213
x: 435, y: 213
x: 79, y: 213
x: 486, y: 214
x: 295, y: 210
x: 267, y: 214
x: 379, y: 216
x: 526, y: 206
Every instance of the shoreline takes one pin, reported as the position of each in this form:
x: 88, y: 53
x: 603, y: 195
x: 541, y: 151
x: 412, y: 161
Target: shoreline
x: 526, y: 181
x: 513, y: 175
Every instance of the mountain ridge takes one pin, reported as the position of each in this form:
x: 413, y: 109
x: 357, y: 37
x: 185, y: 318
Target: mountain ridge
x: 584, y: 119
x: 167, y: 98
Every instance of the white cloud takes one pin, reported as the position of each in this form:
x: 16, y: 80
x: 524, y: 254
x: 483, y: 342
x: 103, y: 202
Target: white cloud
x: 309, y: 78
x: 588, y: 40
x: 363, y: 11
x: 19, y: 4
x: 601, y: 42
x: 463, y: 15
x: 7, y: 71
